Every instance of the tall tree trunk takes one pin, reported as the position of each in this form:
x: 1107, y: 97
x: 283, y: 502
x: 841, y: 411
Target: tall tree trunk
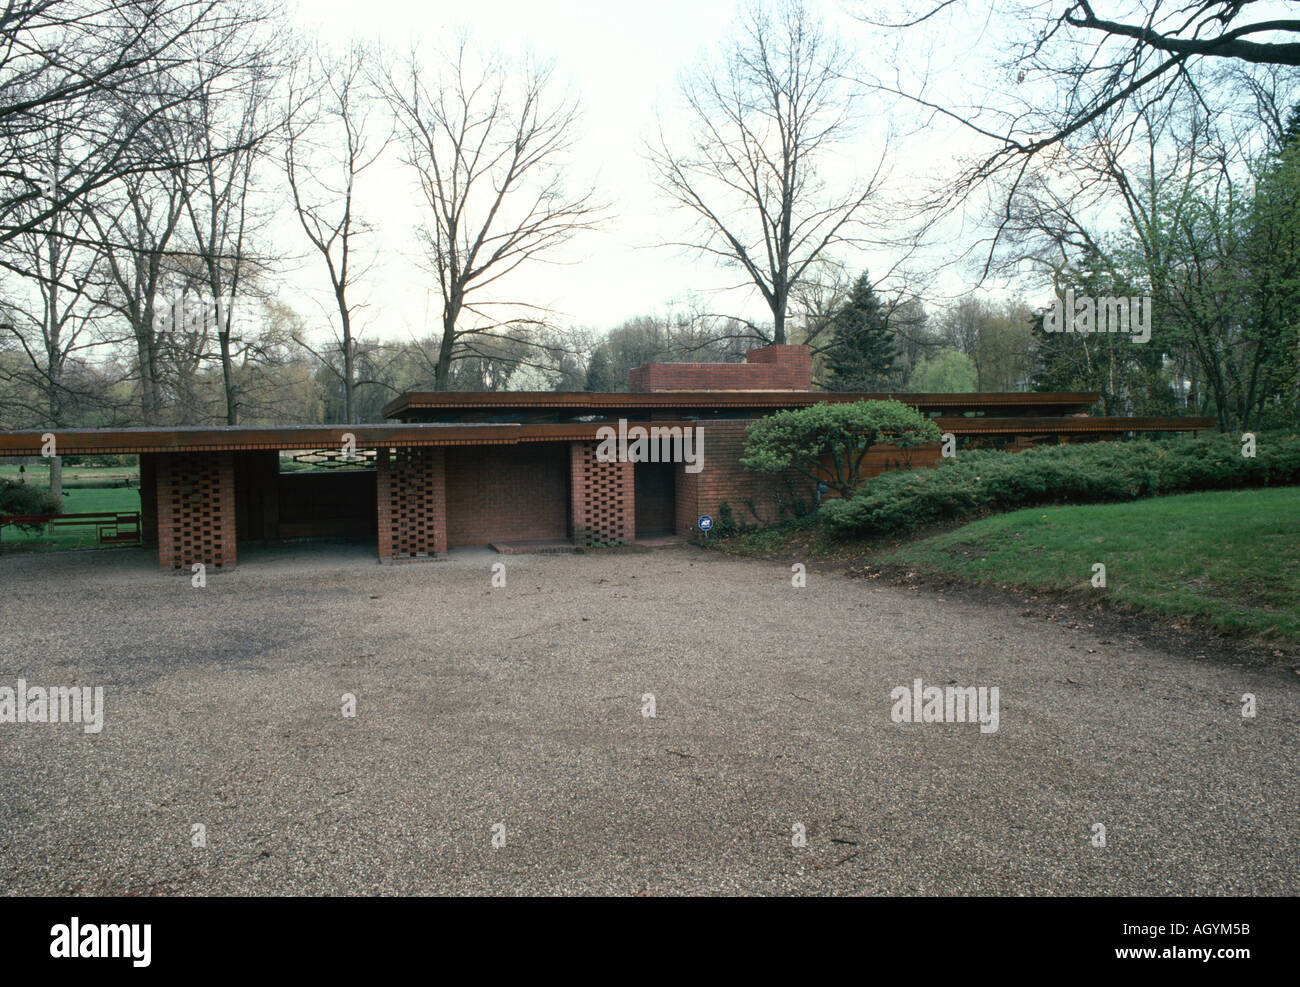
x: 442, y: 377
x: 349, y: 368
x: 228, y: 378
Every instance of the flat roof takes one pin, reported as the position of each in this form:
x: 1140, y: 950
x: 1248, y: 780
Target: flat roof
x: 1074, y: 424
x: 602, y: 400
x: 199, y: 438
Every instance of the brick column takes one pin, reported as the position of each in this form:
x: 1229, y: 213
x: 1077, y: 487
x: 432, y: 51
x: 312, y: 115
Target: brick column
x: 602, y: 498
x: 687, y: 496
x: 196, y: 509
x: 412, y: 503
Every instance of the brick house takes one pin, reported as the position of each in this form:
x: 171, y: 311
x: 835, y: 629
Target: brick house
x: 519, y: 470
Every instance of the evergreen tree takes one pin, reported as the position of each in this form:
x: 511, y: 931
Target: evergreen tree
x: 862, y: 354
x: 600, y: 370
x: 1291, y: 133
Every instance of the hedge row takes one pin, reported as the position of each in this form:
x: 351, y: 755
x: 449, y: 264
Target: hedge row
x: 980, y: 482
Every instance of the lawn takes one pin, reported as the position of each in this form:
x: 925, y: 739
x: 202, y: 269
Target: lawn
x: 1227, y: 559
x: 73, y: 476
x: 78, y: 498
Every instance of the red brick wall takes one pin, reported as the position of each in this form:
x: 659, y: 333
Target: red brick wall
x: 196, y: 509
x: 769, y: 368
x: 412, y: 503
x: 724, y: 480
x: 507, y: 493
x: 688, y: 511
x: 882, y: 458
x: 796, y: 361
x: 603, y: 498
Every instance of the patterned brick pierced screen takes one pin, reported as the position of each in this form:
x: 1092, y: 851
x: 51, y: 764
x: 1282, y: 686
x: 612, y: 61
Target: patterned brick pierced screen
x: 412, y: 503
x: 603, y: 495
x: 196, y: 509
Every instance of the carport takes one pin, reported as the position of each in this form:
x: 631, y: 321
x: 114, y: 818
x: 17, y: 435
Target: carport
x: 205, y: 491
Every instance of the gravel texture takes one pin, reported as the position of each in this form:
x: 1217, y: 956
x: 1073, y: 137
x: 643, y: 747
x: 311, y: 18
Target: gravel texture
x: 522, y: 706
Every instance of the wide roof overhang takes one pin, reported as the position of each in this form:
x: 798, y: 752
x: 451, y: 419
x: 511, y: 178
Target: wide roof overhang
x: 279, y: 437
x: 200, y: 438
x: 1063, y: 402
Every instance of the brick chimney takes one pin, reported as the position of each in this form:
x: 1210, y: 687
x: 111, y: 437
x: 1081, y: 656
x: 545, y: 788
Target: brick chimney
x: 768, y: 368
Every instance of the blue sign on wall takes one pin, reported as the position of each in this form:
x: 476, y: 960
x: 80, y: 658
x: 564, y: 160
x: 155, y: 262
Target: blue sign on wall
x: 705, y: 522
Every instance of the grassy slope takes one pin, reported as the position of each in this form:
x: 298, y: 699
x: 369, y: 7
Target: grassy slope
x: 1228, y: 559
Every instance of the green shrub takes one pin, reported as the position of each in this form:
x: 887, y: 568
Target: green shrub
x: 725, y: 524
x: 801, y: 439
x: 28, y: 498
x: 102, y: 460
x: 978, y: 482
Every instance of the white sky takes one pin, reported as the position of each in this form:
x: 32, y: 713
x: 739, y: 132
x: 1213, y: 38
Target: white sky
x: 622, y: 62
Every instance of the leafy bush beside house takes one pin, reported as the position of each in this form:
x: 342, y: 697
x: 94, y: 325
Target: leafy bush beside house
x: 830, y: 442
x: 980, y: 482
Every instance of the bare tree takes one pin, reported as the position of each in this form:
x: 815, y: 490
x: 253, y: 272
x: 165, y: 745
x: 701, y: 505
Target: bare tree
x: 336, y: 98
x: 108, y: 66
x: 52, y: 304
x: 823, y: 291
x: 136, y: 226
x: 229, y: 123
x: 487, y: 145
x: 1074, y: 77
x: 763, y: 121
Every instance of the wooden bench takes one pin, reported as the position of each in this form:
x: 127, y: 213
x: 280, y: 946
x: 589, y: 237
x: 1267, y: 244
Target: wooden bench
x: 111, y: 527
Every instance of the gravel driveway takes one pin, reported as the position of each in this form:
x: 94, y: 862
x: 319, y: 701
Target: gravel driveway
x: 519, y: 712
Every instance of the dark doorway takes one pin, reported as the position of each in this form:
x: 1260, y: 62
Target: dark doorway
x: 305, y: 503
x: 328, y: 504
x: 656, y: 499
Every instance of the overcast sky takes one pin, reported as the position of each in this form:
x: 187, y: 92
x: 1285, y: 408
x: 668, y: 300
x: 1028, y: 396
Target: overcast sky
x: 622, y: 62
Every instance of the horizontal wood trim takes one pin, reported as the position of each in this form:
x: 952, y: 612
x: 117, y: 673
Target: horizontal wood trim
x: 198, y: 439
x: 1065, y: 401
